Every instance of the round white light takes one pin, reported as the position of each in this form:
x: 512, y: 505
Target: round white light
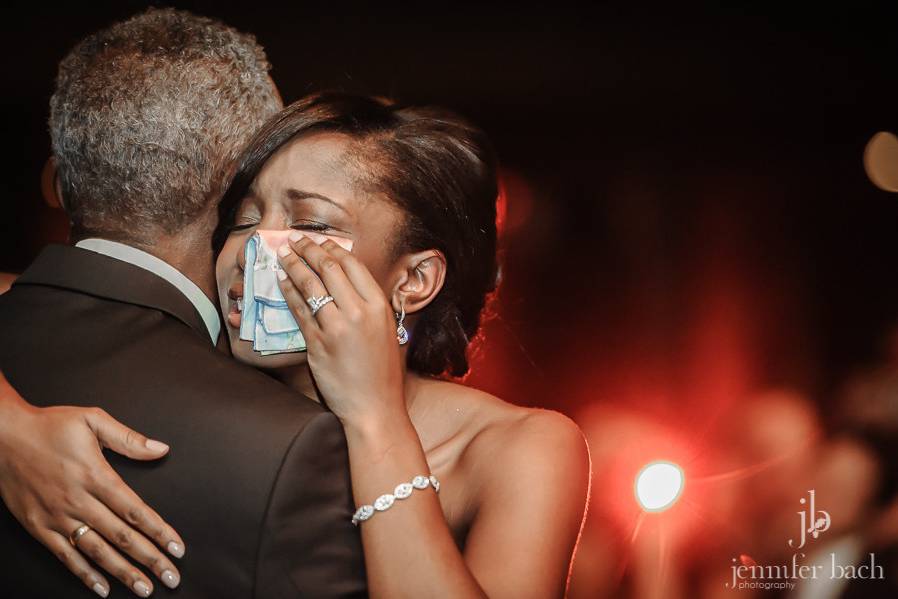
x: 659, y: 485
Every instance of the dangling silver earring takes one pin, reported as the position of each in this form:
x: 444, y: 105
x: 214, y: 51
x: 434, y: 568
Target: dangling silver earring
x: 401, y: 332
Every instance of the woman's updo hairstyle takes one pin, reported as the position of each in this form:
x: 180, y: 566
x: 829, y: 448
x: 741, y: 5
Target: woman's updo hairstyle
x: 435, y: 166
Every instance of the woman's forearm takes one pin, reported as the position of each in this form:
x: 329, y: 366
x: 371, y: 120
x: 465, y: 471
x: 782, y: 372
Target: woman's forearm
x: 12, y: 408
x: 6, y: 281
x: 409, y: 550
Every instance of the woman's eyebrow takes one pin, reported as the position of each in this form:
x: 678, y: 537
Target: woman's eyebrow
x: 298, y: 194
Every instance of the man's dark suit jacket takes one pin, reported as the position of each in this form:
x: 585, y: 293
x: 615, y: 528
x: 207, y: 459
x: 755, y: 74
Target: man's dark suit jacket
x: 257, y: 480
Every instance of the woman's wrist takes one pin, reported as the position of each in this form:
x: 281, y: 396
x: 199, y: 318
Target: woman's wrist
x: 12, y: 407
x: 382, y: 434
x: 375, y: 414
x: 374, y: 428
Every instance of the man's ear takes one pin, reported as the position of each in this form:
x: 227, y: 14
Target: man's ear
x: 419, y: 279
x: 51, y: 188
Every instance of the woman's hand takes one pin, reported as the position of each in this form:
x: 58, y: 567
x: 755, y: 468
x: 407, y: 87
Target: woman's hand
x: 54, y: 478
x: 355, y: 361
x: 352, y: 348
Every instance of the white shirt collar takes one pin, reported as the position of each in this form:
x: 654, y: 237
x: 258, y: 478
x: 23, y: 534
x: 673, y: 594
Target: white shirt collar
x: 161, y: 268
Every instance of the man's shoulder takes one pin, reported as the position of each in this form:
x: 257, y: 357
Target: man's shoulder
x: 200, y: 380
x: 209, y: 375
x: 130, y: 357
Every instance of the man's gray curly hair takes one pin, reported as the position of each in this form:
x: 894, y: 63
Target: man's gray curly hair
x: 148, y: 117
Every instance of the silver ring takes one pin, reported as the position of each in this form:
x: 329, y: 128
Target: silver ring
x: 79, y: 532
x: 316, y: 303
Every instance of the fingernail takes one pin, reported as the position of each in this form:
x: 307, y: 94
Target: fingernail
x: 170, y: 579
x: 284, y: 251
x: 176, y: 549
x: 295, y: 236
x: 157, y: 446
x: 282, y: 276
x: 141, y: 588
x: 100, y: 590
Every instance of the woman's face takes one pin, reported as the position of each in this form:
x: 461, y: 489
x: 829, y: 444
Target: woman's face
x: 310, y: 184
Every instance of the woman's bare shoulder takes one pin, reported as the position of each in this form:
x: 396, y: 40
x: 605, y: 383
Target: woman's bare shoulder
x: 505, y: 434
x: 535, y: 440
x: 533, y: 459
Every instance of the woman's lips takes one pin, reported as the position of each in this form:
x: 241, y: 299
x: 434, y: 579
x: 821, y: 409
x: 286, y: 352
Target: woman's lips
x: 235, y: 293
x: 233, y: 317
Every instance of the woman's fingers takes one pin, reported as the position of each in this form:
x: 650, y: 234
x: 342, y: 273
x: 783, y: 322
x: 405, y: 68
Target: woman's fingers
x: 121, y: 439
x: 112, y: 491
x: 328, y: 269
x: 75, y: 562
x: 61, y: 472
x: 131, y: 511
x: 131, y: 542
x: 298, y: 283
x: 356, y: 272
x: 98, y: 550
x: 125, y: 508
x: 308, y: 324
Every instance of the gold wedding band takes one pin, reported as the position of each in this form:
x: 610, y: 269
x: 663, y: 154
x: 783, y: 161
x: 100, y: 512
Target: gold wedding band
x: 79, y: 532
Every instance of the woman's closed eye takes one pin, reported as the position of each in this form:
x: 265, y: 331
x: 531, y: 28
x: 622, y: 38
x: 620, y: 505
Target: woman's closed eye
x: 247, y: 218
x: 242, y: 226
x: 309, y: 225
x: 246, y: 222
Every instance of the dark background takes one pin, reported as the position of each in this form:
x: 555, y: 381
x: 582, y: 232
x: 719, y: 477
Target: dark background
x: 680, y: 182
x: 671, y: 173
x: 688, y: 219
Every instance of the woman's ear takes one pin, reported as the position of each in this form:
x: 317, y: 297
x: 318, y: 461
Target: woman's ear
x: 420, y: 278
x: 51, y: 188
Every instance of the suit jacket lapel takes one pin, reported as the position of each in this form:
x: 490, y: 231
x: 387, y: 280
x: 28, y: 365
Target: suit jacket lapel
x: 88, y: 272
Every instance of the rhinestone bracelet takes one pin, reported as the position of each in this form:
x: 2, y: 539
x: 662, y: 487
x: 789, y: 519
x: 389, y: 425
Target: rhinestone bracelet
x: 385, y: 502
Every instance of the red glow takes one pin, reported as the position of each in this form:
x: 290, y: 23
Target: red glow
x: 515, y: 202
x: 747, y: 560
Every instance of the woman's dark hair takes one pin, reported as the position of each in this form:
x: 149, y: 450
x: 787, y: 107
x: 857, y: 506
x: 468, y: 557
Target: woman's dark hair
x: 435, y: 166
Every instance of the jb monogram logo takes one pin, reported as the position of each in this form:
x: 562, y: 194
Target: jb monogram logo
x: 810, y: 516
x: 813, y: 523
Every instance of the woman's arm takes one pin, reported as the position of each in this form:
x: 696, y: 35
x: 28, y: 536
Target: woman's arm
x: 409, y: 549
x: 53, y: 478
x: 533, y: 499
x: 535, y: 492
x: 6, y: 280
x: 534, y: 482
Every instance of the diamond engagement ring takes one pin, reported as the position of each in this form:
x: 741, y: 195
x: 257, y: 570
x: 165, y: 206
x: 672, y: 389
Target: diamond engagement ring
x: 316, y: 303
